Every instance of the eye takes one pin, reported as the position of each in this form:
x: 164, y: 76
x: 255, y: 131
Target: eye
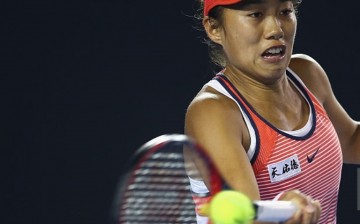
x: 256, y: 14
x: 287, y: 12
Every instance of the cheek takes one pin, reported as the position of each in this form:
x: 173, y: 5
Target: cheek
x: 244, y: 37
x: 290, y: 35
x: 291, y: 29
x: 240, y: 51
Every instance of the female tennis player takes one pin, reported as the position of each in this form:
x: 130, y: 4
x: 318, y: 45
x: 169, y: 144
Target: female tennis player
x: 269, y: 118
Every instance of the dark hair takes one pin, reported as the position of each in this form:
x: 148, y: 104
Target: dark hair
x: 216, y: 52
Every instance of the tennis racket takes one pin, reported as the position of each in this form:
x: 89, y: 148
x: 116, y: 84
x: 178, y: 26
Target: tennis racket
x: 155, y: 186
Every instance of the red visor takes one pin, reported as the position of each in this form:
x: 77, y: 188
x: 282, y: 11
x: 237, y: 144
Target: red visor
x: 209, y: 4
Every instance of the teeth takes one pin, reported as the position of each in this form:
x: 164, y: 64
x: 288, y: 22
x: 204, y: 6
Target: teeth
x: 274, y: 50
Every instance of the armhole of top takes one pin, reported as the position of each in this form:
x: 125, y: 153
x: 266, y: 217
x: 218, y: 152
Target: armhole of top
x: 218, y: 87
x: 308, y: 126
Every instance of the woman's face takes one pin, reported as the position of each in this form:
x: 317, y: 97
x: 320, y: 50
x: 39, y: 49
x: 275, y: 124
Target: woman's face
x: 258, y: 38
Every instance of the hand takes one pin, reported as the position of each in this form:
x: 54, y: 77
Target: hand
x: 308, y: 209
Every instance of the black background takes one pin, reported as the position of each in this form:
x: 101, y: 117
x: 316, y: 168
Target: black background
x: 83, y: 84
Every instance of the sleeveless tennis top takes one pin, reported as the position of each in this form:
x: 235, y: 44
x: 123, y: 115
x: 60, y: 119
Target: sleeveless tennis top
x: 308, y: 159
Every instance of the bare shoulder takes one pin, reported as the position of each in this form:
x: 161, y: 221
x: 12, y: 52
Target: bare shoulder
x: 312, y: 74
x: 211, y: 113
x: 306, y: 67
x: 209, y: 103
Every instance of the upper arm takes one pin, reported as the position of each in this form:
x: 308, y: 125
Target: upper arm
x: 215, y: 122
x: 316, y: 79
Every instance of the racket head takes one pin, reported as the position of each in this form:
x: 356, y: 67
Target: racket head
x: 155, y: 187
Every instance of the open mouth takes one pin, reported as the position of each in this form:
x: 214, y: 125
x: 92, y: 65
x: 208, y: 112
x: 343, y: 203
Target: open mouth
x: 277, y: 52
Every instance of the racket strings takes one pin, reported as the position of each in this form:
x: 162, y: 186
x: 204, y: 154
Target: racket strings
x: 160, y: 179
x: 159, y: 191
x: 159, y: 172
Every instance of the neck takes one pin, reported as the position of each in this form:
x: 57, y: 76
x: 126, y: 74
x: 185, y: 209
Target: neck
x: 270, y: 91
x: 279, y: 102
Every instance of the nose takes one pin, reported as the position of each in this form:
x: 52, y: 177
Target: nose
x: 274, y: 29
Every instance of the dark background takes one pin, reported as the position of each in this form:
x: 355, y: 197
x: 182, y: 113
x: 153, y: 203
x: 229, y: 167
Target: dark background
x: 83, y: 84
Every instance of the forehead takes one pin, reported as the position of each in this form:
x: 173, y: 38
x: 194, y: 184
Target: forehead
x: 244, y: 2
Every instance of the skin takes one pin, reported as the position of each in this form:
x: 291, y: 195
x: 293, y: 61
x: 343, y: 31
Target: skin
x: 215, y: 120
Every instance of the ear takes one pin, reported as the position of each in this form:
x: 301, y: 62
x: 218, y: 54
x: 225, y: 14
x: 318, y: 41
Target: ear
x: 213, y: 29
